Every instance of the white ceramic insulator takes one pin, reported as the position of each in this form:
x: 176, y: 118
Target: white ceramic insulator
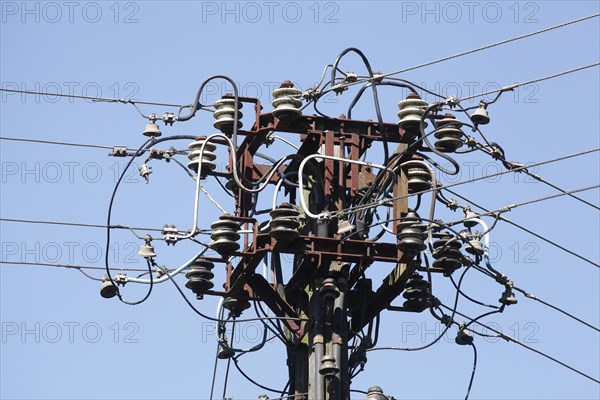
x: 224, y: 114
x: 287, y: 103
x: 411, y: 111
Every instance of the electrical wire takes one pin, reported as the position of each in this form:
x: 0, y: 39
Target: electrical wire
x: 96, y: 99
x: 79, y: 224
x: 498, y: 153
x: 68, y: 266
x: 453, y: 310
x: 551, y: 242
x: 511, y: 339
x: 381, y: 202
x: 95, y: 146
x: 534, y: 297
x: 489, y: 46
x: 473, y: 372
x: 108, y: 230
x: 544, y: 78
x: 235, y: 363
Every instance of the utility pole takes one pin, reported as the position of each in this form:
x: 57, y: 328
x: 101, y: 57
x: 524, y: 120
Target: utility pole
x: 323, y: 312
x: 328, y: 300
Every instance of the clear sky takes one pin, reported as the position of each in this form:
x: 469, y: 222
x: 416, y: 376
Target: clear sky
x: 61, y: 340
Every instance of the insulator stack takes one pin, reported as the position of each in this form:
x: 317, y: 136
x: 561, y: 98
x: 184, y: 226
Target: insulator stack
x: 411, y: 234
x: 411, y: 110
x: 208, y: 156
x: 225, y: 113
x: 447, y: 254
x: 418, y: 175
x: 225, y: 236
x: 200, y: 277
x: 284, y: 223
x: 417, y: 294
x: 236, y: 306
x: 448, y: 134
x: 286, y: 101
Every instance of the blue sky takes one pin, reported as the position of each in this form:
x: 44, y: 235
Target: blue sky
x: 61, y: 340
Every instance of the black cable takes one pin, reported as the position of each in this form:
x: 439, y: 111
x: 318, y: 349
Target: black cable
x: 228, y: 362
x: 487, y: 314
x: 366, y: 85
x: 510, y: 339
x: 108, y: 219
x: 147, y: 144
x: 386, y: 155
x: 469, y: 298
x: 456, y: 297
x: 275, y: 329
x: 221, y: 320
x: 533, y: 297
x: 474, y: 369
x: 212, y: 387
x: 526, y: 230
x: 431, y: 147
x: 235, y: 363
x: 500, y: 155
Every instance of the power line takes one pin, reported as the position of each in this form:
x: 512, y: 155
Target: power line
x: 527, y: 230
x: 379, y: 76
x: 516, y: 85
x: 540, y: 199
x: 388, y: 200
x: 71, y: 266
x: 534, y: 297
x: 95, y: 146
x: 97, y: 99
x: 511, y: 339
x: 78, y: 224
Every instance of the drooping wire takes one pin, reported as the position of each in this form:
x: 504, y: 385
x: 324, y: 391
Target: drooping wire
x: 473, y: 372
x: 527, y: 230
x: 447, y: 326
x: 511, y: 339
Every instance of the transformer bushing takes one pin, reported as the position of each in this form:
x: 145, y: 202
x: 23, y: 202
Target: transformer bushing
x: 447, y: 254
x: 225, y: 113
x: 207, y: 157
x: 418, y: 176
x: 225, y: 236
x: 286, y: 101
x: 411, y: 234
x: 200, y: 277
x: 417, y: 294
x: 448, y: 134
x: 284, y: 223
x: 411, y: 110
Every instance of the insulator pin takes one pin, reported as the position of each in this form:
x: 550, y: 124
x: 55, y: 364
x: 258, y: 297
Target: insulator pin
x: 411, y: 234
x: 417, y: 294
x: 448, y: 134
x: 207, y: 157
x: 411, y: 110
x: 224, y: 237
x: 199, y: 277
x: 225, y: 113
x: 286, y: 101
x: 447, y: 254
x: 284, y: 223
x: 418, y: 175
